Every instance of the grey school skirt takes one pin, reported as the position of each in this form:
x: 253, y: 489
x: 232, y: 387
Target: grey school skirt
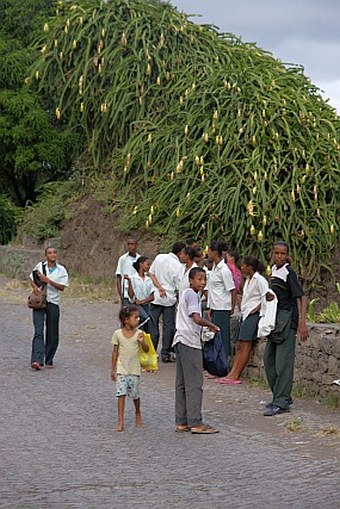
x: 248, y: 328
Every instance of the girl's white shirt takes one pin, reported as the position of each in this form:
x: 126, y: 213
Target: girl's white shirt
x: 254, y: 294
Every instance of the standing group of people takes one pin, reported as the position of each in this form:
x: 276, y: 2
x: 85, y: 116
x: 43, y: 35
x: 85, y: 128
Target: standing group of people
x: 175, y: 284
x: 172, y: 287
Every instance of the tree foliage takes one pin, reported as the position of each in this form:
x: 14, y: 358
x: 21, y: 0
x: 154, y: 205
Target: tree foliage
x: 209, y: 135
x: 33, y: 149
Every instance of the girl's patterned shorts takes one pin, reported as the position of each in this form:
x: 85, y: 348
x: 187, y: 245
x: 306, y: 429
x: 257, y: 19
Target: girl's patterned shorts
x: 128, y: 385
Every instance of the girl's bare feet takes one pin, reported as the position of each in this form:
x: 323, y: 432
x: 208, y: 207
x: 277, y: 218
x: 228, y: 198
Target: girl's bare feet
x: 120, y: 427
x: 139, y: 421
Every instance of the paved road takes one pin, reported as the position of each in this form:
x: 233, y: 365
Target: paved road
x: 58, y: 447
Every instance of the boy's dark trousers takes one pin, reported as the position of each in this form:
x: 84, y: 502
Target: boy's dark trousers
x: 44, y: 351
x: 169, y: 316
x: 189, y: 385
x: 279, y: 366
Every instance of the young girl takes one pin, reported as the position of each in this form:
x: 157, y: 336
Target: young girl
x: 187, y: 258
x: 141, y: 293
x: 125, y: 361
x: 252, y: 308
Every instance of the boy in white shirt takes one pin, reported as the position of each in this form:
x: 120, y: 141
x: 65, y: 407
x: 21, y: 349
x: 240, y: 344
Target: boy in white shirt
x: 189, y: 365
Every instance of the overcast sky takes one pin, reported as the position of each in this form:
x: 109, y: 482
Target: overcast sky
x: 305, y: 32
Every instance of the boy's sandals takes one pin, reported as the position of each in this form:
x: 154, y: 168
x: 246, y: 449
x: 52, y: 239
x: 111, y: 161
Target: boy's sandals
x: 181, y: 428
x: 204, y: 429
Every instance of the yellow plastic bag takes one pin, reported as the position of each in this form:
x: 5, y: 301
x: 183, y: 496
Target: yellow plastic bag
x: 148, y: 360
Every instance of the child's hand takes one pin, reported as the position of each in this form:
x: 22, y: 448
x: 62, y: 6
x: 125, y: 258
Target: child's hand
x: 140, y: 337
x: 126, y: 276
x: 270, y: 296
x: 113, y: 376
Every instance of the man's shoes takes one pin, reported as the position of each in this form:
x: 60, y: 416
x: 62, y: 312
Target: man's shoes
x: 289, y: 402
x: 36, y: 365
x: 275, y: 410
x: 166, y: 359
x: 49, y: 365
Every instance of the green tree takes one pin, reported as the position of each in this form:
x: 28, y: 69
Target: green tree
x: 33, y: 149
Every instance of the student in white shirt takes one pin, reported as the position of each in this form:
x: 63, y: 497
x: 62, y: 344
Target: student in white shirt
x: 221, y: 292
x: 187, y: 258
x: 164, y: 272
x: 189, y: 365
x: 141, y: 293
x: 55, y: 277
x: 124, y: 266
x: 253, y: 304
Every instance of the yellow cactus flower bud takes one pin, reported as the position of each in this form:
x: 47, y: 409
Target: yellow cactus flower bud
x: 260, y: 236
x: 293, y: 195
x: 148, y: 70
x: 123, y: 40
x: 37, y: 75
x: 158, y: 81
x: 186, y: 129
x: 146, y: 224
x: 135, y: 209
x: 68, y: 22
x: 206, y: 137
x: 43, y: 50
x: 318, y: 212
x: 268, y: 270
x: 254, y: 190
x: 103, y: 32
x: 255, y: 175
x: 250, y: 208
x: 217, y: 139
x: 27, y: 81
x: 74, y: 44
x: 172, y: 175
x: 61, y: 55
x: 252, y: 230
x: 201, y: 160
x: 332, y: 229
x: 264, y: 113
x: 58, y: 113
x: 264, y: 220
x: 46, y: 28
x: 178, y: 212
x: 202, y: 177
x: 125, y: 169
x: 152, y: 209
x: 55, y: 42
x: 66, y: 29
x: 181, y: 100
x: 81, y: 20
x: 253, y: 140
x: 303, y: 179
x: 150, y: 218
x: 81, y: 107
x: 197, y: 160
x: 149, y: 138
x: 201, y: 170
x: 215, y: 115
x: 193, y: 86
x: 161, y: 40
x: 179, y: 167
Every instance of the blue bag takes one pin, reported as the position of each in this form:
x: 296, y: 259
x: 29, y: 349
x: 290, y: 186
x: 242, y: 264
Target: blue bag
x: 215, y: 360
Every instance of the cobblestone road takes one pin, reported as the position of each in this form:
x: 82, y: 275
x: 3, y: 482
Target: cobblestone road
x: 59, y: 449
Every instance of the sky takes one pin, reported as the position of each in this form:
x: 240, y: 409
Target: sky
x: 305, y: 32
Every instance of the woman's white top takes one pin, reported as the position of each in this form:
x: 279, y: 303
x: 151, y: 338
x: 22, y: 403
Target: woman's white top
x: 220, y: 285
x: 254, y: 294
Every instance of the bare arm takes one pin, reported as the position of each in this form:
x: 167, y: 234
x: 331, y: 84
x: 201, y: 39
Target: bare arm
x: 205, y: 323
x: 233, y: 300
x: 114, y: 362
x: 143, y: 344
x: 119, y: 284
x: 157, y: 284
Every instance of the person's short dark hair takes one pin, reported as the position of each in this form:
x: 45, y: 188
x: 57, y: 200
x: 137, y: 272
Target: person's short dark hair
x: 254, y: 263
x: 190, y: 251
x: 194, y: 271
x: 139, y: 260
x: 126, y: 312
x: 219, y: 247
x: 191, y: 242
x: 50, y: 247
x: 282, y: 243
x: 177, y: 247
x: 235, y: 255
